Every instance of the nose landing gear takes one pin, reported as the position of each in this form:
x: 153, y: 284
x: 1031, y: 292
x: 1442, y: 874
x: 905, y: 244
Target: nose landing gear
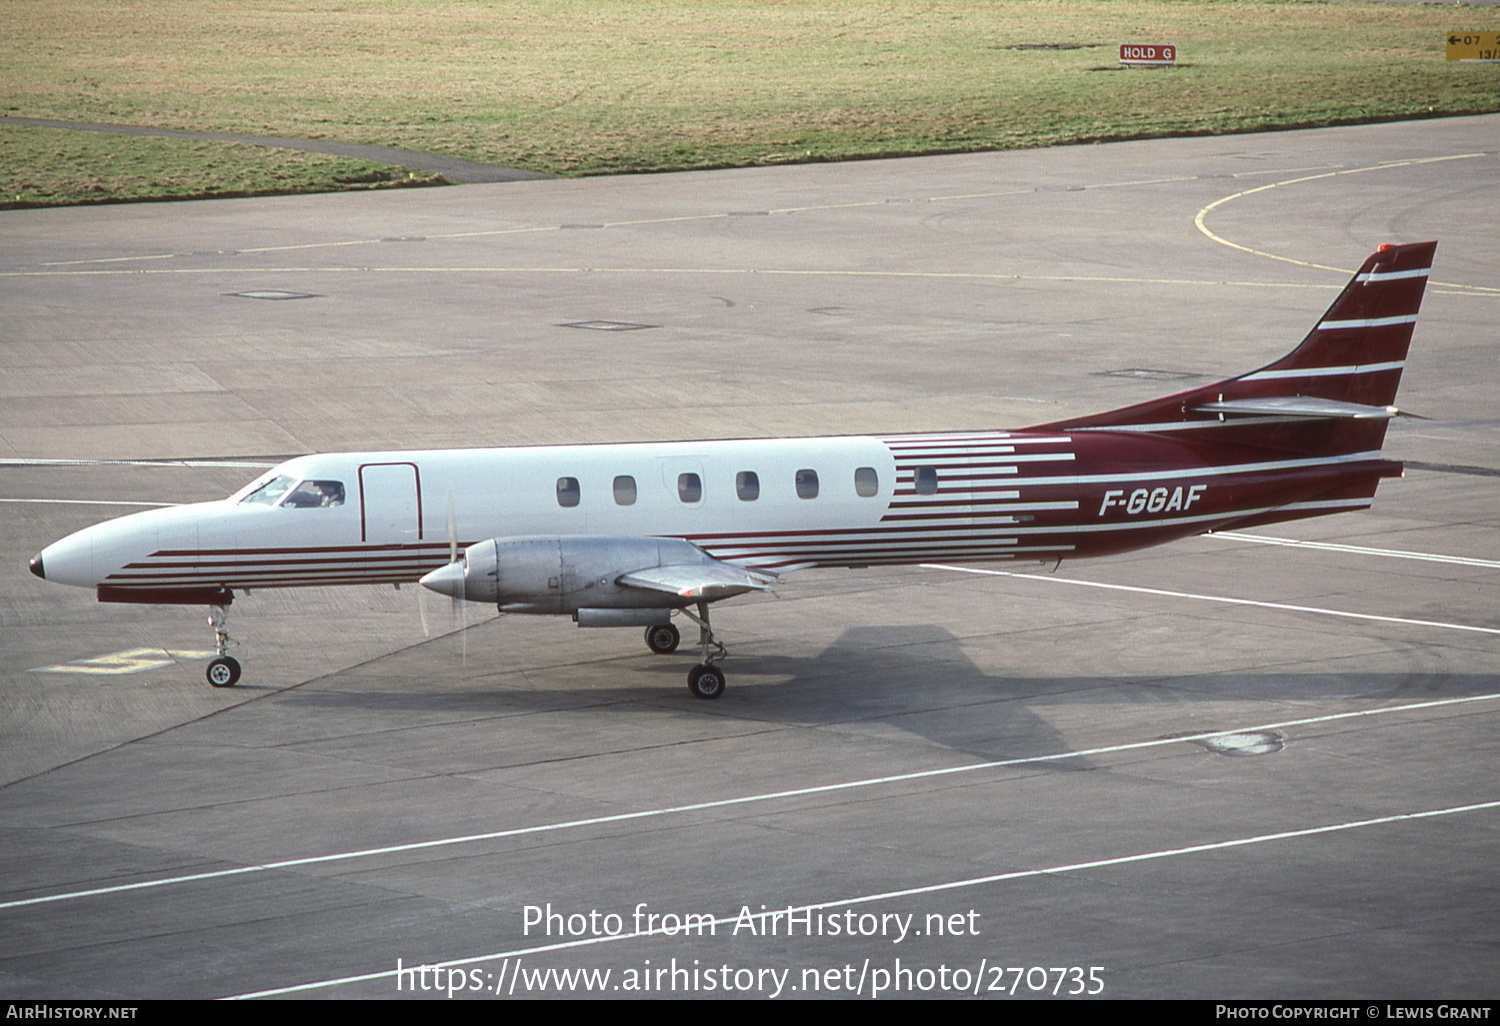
x: 223, y: 670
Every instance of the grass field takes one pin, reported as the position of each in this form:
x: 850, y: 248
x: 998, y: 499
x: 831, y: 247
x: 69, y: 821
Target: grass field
x: 607, y: 86
x: 49, y: 166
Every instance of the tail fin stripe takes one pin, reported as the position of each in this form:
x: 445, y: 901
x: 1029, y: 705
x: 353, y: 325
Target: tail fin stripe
x: 1372, y: 322
x: 1324, y: 372
x: 1416, y: 272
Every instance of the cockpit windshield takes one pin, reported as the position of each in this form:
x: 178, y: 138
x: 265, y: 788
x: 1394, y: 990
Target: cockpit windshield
x: 270, y: 493
x: 285, y: 491
x: 311, y: 494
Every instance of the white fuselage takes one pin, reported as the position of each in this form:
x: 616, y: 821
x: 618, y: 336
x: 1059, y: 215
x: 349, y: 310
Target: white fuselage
x: 762, y: 503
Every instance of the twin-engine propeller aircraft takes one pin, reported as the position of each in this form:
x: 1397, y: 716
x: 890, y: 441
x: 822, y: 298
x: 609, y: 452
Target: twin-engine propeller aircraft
x: 628, y: 535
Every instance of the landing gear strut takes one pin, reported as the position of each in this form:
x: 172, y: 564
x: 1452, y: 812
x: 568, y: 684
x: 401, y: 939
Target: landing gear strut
x: 224, y: 670
x: 706, y: 680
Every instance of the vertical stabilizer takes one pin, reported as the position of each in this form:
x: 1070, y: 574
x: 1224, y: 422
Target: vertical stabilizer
x: 1332, y: 394
x: 1355, y: 353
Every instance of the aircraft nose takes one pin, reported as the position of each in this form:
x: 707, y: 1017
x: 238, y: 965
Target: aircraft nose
x: 36, y: 566
x: 446, y: 580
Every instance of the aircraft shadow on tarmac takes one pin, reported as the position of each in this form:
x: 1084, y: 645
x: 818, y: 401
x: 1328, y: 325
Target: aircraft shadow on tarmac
x: 898, y: 680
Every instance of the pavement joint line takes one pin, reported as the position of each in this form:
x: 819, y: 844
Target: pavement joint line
x: 703, y: 217
x: 719, y: 271
x: 108, y: 260
x: 1356, y: 549
x: 1283, y: 606
x: 1467, y: 290
x: 722, y: 803
x: 866, y: 899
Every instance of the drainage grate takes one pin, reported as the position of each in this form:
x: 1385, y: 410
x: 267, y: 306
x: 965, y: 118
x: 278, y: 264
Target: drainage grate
x: 272, y: 294
x: 608, y: 325
x: 1147, y: 374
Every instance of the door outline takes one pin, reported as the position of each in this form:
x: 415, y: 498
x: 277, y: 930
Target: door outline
x: 416, y: 477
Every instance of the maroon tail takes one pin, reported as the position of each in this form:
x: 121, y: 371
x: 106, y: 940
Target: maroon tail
x: 1331, y: 395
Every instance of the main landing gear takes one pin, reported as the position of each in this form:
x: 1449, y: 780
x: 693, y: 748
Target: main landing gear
x: 663, y: 638
x: 706, y: 680
x: 224, y: 670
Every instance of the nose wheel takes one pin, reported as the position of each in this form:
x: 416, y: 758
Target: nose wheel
x: 224, y: 670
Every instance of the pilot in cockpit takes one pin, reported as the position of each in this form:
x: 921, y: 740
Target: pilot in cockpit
x: 312, y: 494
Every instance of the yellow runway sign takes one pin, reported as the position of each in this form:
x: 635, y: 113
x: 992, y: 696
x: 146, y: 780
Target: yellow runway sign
x: 1473, y: 46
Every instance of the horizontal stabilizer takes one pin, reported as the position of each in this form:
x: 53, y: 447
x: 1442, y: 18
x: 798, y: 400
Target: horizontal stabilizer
x: 1298, y: 406
x: 707, y: 581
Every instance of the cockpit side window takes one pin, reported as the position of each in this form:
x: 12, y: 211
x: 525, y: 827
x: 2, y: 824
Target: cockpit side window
x: 313, y: 494
x: 270, y: 493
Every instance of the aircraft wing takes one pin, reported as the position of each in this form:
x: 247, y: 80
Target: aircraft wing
x: 707, y: 581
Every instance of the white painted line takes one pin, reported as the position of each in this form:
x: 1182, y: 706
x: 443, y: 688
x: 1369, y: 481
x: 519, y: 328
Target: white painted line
x: 1358, y: 549
x: 87, y: 502
x: 23, y: 462
x: 865, y: 899
x: 746, y: 800
x: 133, y: 660
x: 1287, y: 607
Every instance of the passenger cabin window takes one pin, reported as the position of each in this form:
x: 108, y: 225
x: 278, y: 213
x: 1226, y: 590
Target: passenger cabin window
x: 568, y: 492
x: 625, y: 490
x: 927, y: 480
x: 270, y: 493
x: 866, y: 482
x: 315, y: 494
x: 807, y: 484
x: 747, y: 485
x: 690, y: 487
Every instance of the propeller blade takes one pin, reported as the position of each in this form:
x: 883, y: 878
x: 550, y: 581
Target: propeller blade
x: 452, y: 530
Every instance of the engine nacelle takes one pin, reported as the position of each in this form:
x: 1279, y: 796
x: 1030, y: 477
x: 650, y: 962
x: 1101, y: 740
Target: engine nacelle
x: 562, y: 574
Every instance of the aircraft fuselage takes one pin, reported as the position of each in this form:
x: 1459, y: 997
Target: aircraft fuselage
x: 770, y: 504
